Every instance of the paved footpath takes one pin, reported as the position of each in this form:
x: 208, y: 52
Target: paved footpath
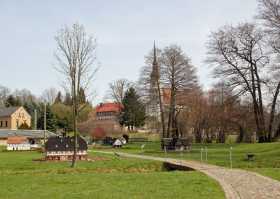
x: 236, y: 183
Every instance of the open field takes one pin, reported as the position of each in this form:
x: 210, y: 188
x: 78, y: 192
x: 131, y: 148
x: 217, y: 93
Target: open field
x: 107, y: 177
x: 267, y: 155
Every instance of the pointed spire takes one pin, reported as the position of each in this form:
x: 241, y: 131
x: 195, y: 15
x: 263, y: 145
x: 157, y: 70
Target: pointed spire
x: 155, y: 54
x: 155, y: 71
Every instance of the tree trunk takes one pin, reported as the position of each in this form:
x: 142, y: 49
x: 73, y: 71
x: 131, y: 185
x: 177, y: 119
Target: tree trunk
x: 161, y: 110
x: 260, y: 104
x: 75, y: 111
x: 272, y: 112
x: 241, y: 134
x: 277, y: 134
x: 171, y: 118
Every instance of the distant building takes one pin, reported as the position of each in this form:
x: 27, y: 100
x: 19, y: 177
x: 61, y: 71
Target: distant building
x: 33, y: 136
x: 107, y: 117
x: 62, y: 148
x: 18, y: 143
x: 13, y: 117
x: 108, y: 111
x: 181, y: 97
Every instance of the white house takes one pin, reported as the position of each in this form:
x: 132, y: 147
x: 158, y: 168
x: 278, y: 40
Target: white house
x: 18, y: 143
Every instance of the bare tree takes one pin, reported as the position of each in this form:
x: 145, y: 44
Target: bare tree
x: 4, y: 93
x: 238, y: 56
x: 177, y: 74
x: 117, y: 89
x: 49, y: 95
x: 269, y: 12
x: 75, y: 58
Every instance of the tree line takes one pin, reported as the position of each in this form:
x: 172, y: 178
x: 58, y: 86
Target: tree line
x: 244, y: 59
x: 58, y: 108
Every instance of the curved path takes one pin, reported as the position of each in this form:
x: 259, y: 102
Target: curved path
x: 236, y: 183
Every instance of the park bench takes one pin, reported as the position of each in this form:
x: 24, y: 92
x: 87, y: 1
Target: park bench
x: 250, y: 156
x: 183, y: 144
x: 179, y: 144
x: 167, y: 144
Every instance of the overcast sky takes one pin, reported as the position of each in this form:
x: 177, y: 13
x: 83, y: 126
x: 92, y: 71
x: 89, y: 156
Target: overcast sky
x: 125, y: 31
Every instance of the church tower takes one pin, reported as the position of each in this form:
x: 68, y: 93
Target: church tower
x: 154, y: 101
x: 155, y: 70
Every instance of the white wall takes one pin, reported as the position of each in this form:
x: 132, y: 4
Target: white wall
x: 18, y: 147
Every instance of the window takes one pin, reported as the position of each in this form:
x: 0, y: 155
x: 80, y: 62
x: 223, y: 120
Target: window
x: 17, y: 123
x: 1, y: 123
x: 6, y: 123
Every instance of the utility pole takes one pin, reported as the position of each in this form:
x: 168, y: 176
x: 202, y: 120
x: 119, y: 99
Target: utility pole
x: 35, y: 119
x: 45, y: 122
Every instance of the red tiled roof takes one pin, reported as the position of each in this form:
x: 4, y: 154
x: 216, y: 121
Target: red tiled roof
x: 181, y: 96
x: 109, y: 107
x: 17, y: 140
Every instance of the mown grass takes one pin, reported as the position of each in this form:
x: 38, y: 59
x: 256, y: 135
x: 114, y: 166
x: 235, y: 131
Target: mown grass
x: 107, y: 177
x: 266, y: 162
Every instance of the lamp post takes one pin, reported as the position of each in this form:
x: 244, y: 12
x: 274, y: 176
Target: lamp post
x: 45, y: 122
x: 35, y: 119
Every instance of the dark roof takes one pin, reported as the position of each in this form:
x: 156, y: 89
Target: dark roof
x: 7, y: 111
x: 5, y: 133
x: 65, y: 144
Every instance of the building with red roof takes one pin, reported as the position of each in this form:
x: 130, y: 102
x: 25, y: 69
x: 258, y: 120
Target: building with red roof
x: 108, y: 110
x: 15, y: 143
x: 107, y: 117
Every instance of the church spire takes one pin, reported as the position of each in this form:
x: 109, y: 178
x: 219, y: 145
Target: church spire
x: 155, y: 71
x: 155, y: 54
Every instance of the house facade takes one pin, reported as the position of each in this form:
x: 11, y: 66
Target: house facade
x: 33, y: 136
x: 13, y: 117
x: 62, y: 149
x: 107, y: 117
x: 18, y: 143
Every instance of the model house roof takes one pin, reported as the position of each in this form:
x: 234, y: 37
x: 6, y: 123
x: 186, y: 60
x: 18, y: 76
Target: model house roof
x: 5, y: 133
x: 17, y: 140
x: 8, y: 111
x: 109, y: 107
x: 65, y: 144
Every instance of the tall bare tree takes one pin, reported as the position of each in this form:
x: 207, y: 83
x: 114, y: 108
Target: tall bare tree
x: 49, y: 95
x: 238, y: 56
x: 117, y: 89
x: 75, y: 57
x: 177, y: 74
x: 269, y: 12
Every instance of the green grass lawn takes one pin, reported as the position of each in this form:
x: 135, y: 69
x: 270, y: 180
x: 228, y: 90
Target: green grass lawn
x: 267, y: 155
x: 107, y: 177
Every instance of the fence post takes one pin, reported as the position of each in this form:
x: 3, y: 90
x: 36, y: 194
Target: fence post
x: 201, y: 154
x: 230, y: 157
x: 206, y: 155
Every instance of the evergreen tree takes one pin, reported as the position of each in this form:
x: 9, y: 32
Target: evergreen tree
x: 58, y: 98
x: 82, y: 96
x: 68, y: 99
x: 12, y: 101
x: 30, y: 107
x: 63, y: 115
x: 50, y: 118
x: 133, y: 113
